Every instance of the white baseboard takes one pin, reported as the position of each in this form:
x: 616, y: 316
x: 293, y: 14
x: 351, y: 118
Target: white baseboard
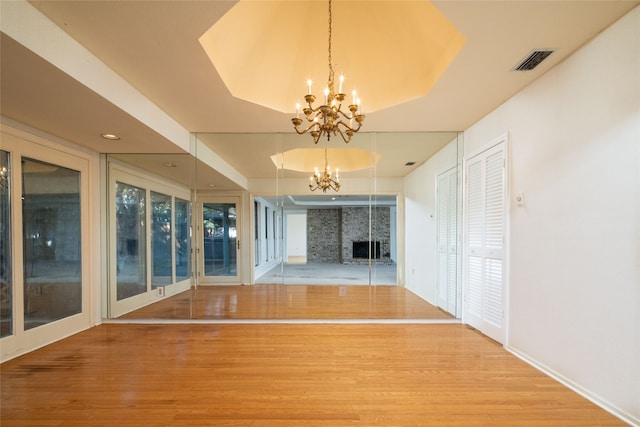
x: 602, y: 403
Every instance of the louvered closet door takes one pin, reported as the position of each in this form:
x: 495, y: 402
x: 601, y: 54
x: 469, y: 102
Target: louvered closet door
x: 448, y: 241
x: 484, y: 226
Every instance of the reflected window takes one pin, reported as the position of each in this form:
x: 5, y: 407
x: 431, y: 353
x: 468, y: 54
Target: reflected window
x: 131, y: 246
x: 6, y: 276
x: 52, y: 242
x: 183, y: 239
x: 160, y: 240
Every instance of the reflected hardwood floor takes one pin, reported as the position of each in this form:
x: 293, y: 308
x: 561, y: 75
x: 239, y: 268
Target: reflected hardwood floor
x: 292, y: 302
x: 284, y: 375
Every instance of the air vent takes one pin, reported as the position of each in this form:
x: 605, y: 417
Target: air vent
x: 533, y: 60
x: 410, y: 163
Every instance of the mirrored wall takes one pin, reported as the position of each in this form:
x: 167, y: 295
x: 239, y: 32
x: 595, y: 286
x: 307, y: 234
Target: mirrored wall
x: 273, y: 226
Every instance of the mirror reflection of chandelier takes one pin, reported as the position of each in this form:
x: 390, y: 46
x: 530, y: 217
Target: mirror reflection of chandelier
x: 324, y: 181
x: 329, y: 119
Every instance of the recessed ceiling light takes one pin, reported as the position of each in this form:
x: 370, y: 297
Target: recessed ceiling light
x: 212, y: 185
x: 110, y: 136
x: 169, y: 165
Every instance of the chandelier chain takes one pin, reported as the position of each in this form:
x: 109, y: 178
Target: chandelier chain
x: 331, y: 73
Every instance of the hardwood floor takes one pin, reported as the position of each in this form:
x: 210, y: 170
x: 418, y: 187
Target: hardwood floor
x: 292, y: 302
x: 284, y: 375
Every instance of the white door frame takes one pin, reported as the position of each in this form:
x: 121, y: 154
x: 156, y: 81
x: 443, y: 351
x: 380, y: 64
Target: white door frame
x: 499, y: 334
x: 219, y: 280
x: 444, y: 248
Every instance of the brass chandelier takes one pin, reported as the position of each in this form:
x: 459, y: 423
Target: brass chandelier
x: 329, y: 119
x: 324, y: 181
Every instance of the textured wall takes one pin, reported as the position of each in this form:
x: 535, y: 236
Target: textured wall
x: 324, y: 230
x: 355, y: 228
x: 331, y: 233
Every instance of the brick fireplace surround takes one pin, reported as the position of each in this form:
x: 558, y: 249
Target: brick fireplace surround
x: 331, y: 233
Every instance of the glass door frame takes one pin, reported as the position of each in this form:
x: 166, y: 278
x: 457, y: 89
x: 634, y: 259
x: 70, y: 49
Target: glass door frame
x: 202, y: 279
x: 19, y: 145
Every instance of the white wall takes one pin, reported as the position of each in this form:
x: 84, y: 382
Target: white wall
x: 574, y: 284
x: 420, y: 219
x: 296, y: 235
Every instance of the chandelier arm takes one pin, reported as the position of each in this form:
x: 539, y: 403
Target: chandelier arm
x: 347, y: 127
x: 347, y: 138
x: 317, y: 136
x: 308, y: 128
x: 343, y: 114
x: 312, y: 113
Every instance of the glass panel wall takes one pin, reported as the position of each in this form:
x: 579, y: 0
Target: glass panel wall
x: 51, y: 219
x: 378, y: 231
x: 330, y: 188
x: 6, y: 276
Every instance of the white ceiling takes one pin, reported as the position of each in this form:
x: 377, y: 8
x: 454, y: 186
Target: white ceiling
x: 153, y: 45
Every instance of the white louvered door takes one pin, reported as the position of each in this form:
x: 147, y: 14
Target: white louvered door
x: 448, y: 241
x: 484, y: 241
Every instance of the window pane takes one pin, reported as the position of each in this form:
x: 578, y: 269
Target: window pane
x: 183, y: 239
x: 131, y: 241
x: 6, y: 277
x: 51, y: 220
x: 160, y: 240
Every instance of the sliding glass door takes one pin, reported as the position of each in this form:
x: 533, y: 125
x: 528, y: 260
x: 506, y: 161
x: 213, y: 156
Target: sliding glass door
x: 150, y: 239
x: 44, y: 243
x: 52, y: 242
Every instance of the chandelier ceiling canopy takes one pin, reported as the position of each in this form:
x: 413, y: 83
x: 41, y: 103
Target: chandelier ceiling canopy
x: 389, y: 51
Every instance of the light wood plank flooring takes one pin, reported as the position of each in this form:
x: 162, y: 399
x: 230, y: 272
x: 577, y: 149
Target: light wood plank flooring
x: 292, y: 302
x: 284, y: 375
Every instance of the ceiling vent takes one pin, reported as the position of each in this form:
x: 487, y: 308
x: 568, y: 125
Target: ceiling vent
x: 533, y: 60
